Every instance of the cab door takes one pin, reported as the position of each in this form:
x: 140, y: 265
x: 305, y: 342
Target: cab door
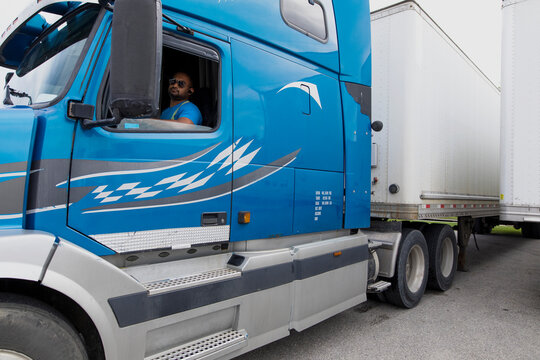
x: 147, y: 185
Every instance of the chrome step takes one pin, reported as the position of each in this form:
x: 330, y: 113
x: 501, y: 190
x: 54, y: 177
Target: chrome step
x: 208, y: 347
x: 156, y: 287
x: 378, y: 286
x: 374, y: 244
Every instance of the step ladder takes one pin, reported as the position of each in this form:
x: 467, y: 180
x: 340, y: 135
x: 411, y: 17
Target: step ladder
x: 161, y: 286
x: 208, y: 348
x: 378, y: 287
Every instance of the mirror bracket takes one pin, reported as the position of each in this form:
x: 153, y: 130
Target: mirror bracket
x: 89, y: 123
x: 106, y: 5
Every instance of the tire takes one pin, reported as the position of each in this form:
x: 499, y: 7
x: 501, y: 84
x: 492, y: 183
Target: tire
x: 32, y: 329
x: 530, y: 230
x: 408, y: 286
x: 443, y: 256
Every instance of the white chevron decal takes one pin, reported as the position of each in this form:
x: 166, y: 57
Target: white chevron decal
x: 313, y: 90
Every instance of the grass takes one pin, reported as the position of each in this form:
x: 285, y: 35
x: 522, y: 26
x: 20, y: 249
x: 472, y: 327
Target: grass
x: 505, y: 230
x: 497, y: 230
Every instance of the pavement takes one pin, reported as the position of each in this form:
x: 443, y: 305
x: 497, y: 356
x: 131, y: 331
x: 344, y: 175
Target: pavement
x: 491, y: 312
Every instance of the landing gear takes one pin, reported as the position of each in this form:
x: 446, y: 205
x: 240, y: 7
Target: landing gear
x: 465, y: 226
x: 411, y: 274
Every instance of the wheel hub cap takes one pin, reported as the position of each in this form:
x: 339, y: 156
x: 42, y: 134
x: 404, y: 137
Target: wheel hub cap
x: 12, y: 355
x: 414, y: 268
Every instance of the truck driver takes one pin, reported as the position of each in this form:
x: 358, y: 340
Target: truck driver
x: 180, y: 108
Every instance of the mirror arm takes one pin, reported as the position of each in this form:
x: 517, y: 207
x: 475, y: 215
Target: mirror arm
x: 7, y: 99
x: 115, y: 120
x: 179, y: 26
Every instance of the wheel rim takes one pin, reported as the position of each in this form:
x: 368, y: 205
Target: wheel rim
x: 414, y: 269
x: 447, y: 257
x: 12, y: 355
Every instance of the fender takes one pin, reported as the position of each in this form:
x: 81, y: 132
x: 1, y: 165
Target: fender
x: 90, y: 281
x: 24, y: 253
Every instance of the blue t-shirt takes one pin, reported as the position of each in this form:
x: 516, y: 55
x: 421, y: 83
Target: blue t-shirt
x: 184, y: 109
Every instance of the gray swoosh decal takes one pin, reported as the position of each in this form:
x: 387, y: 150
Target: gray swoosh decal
x: 85, y: 169
x: 205, y: 194
x: 11, y: 190
x: 13, y: 167
x: 263, y: 172
x: 44, y: 176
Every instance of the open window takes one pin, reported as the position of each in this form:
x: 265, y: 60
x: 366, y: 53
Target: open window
x: 202, y: 64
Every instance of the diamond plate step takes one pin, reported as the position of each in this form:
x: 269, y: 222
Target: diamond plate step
x: 166, y: 285
x: 208, y: 347
x: 378, y: 286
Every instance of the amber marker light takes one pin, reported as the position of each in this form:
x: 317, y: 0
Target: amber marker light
x: 337, y: 253
x: 244, y: 217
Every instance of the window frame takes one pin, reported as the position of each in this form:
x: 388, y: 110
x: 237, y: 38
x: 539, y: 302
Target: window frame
x: 189, y: 46
x: 304, y: 31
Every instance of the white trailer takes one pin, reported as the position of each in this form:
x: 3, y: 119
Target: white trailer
x: 520, y: 116
x: 438, y: 152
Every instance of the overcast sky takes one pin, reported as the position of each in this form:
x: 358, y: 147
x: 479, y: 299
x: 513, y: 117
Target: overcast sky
x: 475, y: 25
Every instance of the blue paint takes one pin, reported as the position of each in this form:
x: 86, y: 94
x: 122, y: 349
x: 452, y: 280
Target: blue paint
x: 270, y: 203
x: 318, y: 201
x: 276, y: 117
x: 261, y: 22
x: 354, y: 34
x: 357, y: 131
x: 17, y: 133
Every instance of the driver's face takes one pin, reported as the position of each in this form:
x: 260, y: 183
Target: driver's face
x: 180, y: 87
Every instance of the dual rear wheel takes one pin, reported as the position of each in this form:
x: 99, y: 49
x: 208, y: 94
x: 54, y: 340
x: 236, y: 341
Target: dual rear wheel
x: 425, y: 259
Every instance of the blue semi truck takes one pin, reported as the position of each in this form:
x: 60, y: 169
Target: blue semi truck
x: 123, y: 236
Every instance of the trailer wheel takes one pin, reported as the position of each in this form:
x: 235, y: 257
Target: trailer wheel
x: 443, y: 254
x: 530, y: 230
x: 410, y: 278
x: 31, y: 329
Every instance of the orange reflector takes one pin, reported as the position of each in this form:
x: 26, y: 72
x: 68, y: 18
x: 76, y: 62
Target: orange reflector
x: 337, y: 253
x: 244, y: 217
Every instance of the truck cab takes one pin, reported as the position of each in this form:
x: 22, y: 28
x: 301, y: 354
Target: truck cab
x: 147, y: 237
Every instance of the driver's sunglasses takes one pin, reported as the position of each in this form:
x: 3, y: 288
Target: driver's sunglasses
x: 181, y: 83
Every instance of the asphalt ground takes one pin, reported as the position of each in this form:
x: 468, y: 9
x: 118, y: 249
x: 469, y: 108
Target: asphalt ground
x: 491, y: 312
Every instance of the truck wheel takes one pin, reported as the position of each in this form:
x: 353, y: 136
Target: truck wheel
x: 410, y: 278
x: 30, y: 329
x: 443, y: 254
x: 530, y: 230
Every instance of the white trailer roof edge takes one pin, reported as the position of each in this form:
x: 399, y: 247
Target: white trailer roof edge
x: 413, y: 5
x: 506, y: 3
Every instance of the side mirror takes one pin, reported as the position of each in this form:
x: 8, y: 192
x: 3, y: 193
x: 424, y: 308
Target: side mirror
x: 136, y: 50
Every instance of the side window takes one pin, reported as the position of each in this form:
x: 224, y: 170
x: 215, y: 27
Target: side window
x: 306, y: 16
x: 189, y: 90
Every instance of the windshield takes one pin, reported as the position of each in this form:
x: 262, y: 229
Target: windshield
x: 50, y: 60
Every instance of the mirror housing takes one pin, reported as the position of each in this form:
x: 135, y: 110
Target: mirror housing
x: 136, y: 50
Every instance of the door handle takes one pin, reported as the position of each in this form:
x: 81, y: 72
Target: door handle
x: 214, y: 219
